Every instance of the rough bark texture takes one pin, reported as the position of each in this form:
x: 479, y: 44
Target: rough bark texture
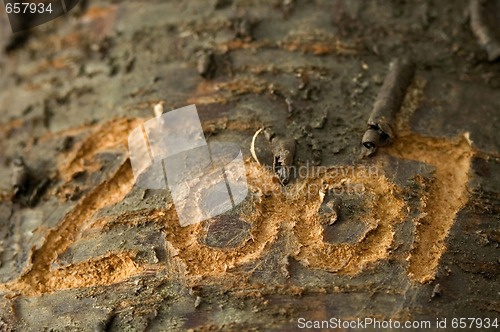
x: 410, y: 233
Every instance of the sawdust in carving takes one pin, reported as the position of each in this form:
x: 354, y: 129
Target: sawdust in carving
x: 203, y: 260
x: 107, y: 270
x: 108, y: 135
x: 277, y: 210
x: 384, y: 210
x: 274, y: 210
x: 447, y: 192
x: 40, y: 278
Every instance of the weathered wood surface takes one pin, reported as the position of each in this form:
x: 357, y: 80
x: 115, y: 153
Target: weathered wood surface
x: 410, y: 233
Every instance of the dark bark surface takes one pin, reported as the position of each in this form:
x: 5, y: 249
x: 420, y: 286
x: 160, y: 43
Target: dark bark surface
x: 409, y: 233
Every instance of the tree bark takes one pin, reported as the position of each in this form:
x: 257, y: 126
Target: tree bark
x: 409, y: 233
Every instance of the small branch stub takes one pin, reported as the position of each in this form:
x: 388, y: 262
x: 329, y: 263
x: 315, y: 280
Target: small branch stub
x: 389, y: 100
x: 283, y: 152
x: 484, y: 18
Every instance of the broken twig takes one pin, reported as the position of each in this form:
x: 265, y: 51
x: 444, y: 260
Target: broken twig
x: 380, y: 124
x: 283, y: 154
x: 206, y: 64
x: 484, y: 20
x: 20, y: 176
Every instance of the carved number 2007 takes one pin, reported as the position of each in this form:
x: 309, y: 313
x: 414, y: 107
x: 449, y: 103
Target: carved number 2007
x: 28, y: 7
